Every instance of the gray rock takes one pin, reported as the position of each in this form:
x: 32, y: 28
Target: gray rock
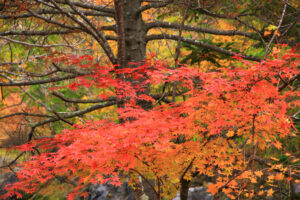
x: 197, y: 193
x: 6, y: 178
x: 110, y: 192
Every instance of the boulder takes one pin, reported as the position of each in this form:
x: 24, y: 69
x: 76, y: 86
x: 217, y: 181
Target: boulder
x: 197, y: 193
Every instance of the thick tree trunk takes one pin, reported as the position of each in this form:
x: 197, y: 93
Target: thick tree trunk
x: 135, y: 32
x: 184, y: 189
x: 132, y: 28
x: 135, y: 44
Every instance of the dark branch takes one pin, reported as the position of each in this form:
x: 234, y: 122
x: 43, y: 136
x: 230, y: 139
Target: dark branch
x: 13, y: 161
x: 88, y: 6
x: 155, y: 5
x: 199, y: 43
x: 237, y: 18
x: 24, y: 114
x: 53, y: 12
x: 90, y: 28
x: 73, y: 100
x: 160, y: 24
x: 287, y: 83
x: 70, y: 115
x: 70, y: 70
x: 37, y: 82
x: 37, y: 33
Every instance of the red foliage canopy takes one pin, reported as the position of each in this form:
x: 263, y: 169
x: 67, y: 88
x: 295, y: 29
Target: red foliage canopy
x: 226, y: 111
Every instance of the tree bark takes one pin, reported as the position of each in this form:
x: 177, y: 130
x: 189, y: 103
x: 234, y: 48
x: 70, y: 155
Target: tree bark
x: 135, y: 44
x: 132, y: 49
x: 184, y: 189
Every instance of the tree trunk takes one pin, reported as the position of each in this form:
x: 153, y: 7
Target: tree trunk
x: 135, y: 44
x: 184, y: 190
x: 134, y: 33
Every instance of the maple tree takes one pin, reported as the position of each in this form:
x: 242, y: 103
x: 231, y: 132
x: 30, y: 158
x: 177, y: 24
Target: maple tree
x: 52, y: 37
x: 218, y: 131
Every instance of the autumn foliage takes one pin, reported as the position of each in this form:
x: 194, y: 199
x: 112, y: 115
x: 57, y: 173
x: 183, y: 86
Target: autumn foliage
x: 226, y: 118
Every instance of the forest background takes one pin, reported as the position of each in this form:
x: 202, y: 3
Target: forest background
x: 168, y: 94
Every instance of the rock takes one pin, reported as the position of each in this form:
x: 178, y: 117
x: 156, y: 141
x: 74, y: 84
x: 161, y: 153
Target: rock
x: 197, y: 193
x: 6, y: 178
x: 110, y: 192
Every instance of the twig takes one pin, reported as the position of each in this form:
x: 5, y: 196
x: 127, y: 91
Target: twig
x: 274, y: 34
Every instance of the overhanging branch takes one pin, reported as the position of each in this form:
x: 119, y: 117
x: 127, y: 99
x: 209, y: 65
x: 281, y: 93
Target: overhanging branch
x: 70, y: 115
x: 38, y: 82
x: 160, y: 24
x: 86, y: 5
x: 155, y: 5
x: 74, y: 100
x: 199, y: 43
x: 38, y: 33
x: 53, y: 12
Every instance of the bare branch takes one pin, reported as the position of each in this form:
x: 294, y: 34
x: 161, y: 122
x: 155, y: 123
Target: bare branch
x: 37, y: 82
x: 216, y: 15
x: 39, y: 75
x: 94, y: 32
x: 63, y: 25
x: 178, y: 48
x: 181, y: 27
x: 36, y: 45
x: 73, y: 100
x: 70, y: 70
x: 222, y: 16
x: 53, y: 12
x: 199, y: 43
x: 159, y: 24
x: 69, y: 115
x: 87, y: 5
x: 38, y: 33
x: 13, y: 161
x: 158, y: 4
x: 24, y: 114
x: 277, y: 30
x: 287, y: 83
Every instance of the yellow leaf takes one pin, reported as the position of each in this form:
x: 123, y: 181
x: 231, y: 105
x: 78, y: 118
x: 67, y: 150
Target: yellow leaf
x: 271, y: 177
x: 227, y: 190
x: 271, y: 27
x: 295, y: 160
x: 261, y: 192
x: 277, y: 33
x: 258, y: 173
x: 270, y: 192
x: 273, y: 158
x: 279, y: 176
x: 277, y: 144
x: 266, y: 33
x: 230, y: 134
x: 253, y: 180
x: 212, y: 188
